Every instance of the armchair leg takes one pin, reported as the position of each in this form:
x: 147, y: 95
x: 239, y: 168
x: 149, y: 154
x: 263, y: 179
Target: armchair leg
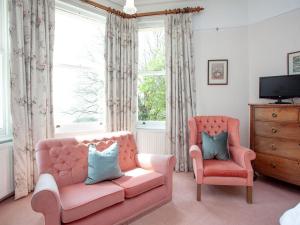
x: 198, y: 192
x: 249, y: 194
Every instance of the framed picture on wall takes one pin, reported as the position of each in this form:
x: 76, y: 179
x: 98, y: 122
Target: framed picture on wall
x: 217, y: 73
x: 293, y: 61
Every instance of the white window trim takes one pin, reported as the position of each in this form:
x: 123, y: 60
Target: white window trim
x: 5, y: 133
x: 63, y: 130
x: 77, y: 9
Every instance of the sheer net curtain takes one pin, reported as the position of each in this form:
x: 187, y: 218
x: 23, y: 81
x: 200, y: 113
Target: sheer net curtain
x: 181, y: 88
x: 31, y: 38
x: 121, y: 54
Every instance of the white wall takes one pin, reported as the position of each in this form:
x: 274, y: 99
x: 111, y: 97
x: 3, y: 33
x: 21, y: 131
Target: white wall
x: 232, y: 99
x: 269, y: 43
x: 259, y: 10
x: 229, y: 42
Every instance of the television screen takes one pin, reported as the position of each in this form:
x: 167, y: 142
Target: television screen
x: 279, y: 87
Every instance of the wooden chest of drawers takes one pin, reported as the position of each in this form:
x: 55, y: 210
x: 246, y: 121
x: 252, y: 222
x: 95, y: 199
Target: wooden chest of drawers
x: 275, y: 137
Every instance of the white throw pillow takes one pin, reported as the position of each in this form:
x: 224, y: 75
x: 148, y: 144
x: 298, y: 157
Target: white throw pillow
x: 291, y: 217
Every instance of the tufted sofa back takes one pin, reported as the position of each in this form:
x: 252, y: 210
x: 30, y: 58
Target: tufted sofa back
x: 66, y: 158
x: 214, y: 125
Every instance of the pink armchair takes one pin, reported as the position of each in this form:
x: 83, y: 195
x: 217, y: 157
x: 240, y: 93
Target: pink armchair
x: 237, y: 171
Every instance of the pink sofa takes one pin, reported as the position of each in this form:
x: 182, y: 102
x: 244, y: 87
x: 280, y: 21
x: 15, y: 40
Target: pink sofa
x: 63, y: 198
x: 237, y: 171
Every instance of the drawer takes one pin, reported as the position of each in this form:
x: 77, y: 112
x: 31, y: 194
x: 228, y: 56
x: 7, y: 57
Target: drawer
x: 277, y: 114
x: 282, y: 169
x: 278, y: 147
x: 278, y: 130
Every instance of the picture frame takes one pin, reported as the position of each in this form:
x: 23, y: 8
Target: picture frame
x: 217, y: 72
x: 293, y: 63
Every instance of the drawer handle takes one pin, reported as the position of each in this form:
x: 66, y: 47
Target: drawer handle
x: 274, y: 115
x: 273, y: 147
x: 274, y: 131
x: 273, y: 165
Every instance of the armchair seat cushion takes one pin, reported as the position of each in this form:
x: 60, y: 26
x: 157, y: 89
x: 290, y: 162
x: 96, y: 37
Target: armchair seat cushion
x: 80, y: 200
x: 138, y: 181
x: 220, y: 168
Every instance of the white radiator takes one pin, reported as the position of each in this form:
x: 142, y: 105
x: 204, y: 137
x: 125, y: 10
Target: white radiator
x: 6, y: 170
x: 151, y: 141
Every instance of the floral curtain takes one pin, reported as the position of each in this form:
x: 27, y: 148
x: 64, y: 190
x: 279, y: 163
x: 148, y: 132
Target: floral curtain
x: 181, y: 88
x: 31, y: 37
x: 121, y: 55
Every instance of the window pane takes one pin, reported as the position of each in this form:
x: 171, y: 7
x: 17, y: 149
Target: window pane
x: 78, y: 81
x: 2, y: 106
x: 152, y: 79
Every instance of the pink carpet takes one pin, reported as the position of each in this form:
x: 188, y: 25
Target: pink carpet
x: 221, y: 205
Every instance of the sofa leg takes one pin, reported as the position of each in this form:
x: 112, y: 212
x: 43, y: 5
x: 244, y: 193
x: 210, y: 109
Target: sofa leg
x: 198, y: 192
x: 249, y: 194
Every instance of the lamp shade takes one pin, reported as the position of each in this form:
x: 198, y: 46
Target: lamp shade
x: 129, y: 7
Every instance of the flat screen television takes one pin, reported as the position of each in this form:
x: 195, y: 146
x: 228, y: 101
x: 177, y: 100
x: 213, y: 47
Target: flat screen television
x: 279, y: 87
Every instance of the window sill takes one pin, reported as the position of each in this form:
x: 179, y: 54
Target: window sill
x: 83, y: 133
x: 6, y: 140
x: 151, y: 125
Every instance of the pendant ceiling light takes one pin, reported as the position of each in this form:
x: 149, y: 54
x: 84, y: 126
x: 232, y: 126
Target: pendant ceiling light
x: 129, y: 7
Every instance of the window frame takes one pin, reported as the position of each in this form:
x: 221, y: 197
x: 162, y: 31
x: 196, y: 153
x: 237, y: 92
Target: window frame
x: 157, y: 22
x: 5, y: 132
x: 83, y: 127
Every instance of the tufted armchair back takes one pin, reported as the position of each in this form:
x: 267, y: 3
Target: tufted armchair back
x: 66, y: 158
x: 214, y: 125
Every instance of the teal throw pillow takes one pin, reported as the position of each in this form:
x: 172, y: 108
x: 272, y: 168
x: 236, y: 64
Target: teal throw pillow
x: 215, y: 147
x: 103, y: 165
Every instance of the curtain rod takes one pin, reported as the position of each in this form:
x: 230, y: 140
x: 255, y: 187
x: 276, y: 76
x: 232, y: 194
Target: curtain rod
x: 155, y: 13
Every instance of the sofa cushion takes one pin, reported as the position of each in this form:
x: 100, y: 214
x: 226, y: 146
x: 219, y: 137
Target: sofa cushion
x: 103, y: 165
x: 138, y: 181
x: 219, y: 168
x: 80, y: 200
x: 215, y: 146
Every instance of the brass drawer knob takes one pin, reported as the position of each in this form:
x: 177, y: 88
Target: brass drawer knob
x: 273, y: 165
x: 273, y: 147
x: 274, y: 115
x: 274, y: 131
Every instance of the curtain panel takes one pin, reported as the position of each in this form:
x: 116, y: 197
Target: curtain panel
x: 121, y: 54
x: 181, y: 88
x: 31, y: 24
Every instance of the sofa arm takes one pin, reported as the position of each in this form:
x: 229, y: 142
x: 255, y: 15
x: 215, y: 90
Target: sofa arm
x: 46, y: 200
x: 159, y: 163
x: 242, y: 156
